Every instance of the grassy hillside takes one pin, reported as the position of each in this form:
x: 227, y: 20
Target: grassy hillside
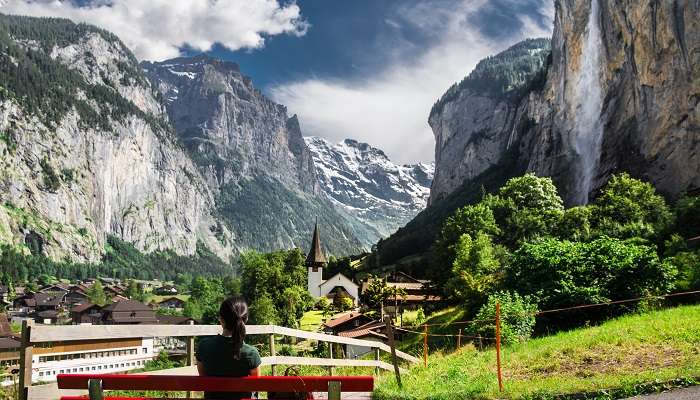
x: 621, y: 354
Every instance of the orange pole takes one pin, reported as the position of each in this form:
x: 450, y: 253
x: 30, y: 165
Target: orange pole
x: 498, y: 346
x: 425, y: 345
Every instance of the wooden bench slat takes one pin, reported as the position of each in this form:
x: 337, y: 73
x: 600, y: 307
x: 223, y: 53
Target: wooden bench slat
x: 217, y: 384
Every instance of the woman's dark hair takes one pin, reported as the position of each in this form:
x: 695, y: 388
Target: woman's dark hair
x: 234, y: 314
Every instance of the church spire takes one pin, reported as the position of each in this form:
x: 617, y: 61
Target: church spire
x: 316, y: 258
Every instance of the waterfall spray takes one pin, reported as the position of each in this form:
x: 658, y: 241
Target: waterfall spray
x: 588, y: 102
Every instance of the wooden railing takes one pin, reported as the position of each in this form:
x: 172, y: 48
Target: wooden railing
x: 36, y: 334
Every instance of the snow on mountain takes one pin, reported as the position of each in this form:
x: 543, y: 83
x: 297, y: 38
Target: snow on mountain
x: 363, y: 181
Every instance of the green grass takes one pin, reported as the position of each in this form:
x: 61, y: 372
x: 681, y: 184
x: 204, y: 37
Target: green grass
x: 621, y: 354
x: 413, y: 343
x: 311, y: 321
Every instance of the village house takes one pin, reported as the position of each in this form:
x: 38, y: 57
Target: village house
x: 171, y: 303
x: 345, y: 322
x: 128, y: 312
x: 86, y: 313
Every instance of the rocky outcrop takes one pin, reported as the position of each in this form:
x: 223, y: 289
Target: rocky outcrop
x: 362, y: 180
x: 86, y: 153
x: 475, y: 122
x: 229, y: 127
x: 621, y: 94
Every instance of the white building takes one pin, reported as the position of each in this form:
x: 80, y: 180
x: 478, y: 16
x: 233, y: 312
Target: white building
x: 315, y: 262
x: 90, y: 356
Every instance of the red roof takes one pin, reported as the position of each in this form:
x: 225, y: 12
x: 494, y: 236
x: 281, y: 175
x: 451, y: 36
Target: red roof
x: 343, y: 319
x: 368, y: 329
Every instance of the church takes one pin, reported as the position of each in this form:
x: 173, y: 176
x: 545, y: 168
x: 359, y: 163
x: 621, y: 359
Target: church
x: 315, y: 263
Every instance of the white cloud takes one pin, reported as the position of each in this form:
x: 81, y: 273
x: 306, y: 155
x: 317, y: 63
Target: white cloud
x: 158, y: 29
x: 390, y: 110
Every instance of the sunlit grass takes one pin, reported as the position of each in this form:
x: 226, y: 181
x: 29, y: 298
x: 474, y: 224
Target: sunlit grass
x: 658, y: 346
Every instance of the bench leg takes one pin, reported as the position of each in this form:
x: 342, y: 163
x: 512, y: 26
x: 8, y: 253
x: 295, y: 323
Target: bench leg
x: 334, y: 390
x: 95, y: 389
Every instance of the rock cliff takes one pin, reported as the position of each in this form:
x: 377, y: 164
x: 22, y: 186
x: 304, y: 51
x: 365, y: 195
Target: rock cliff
x: 87, y: 151
x: 621, y: 94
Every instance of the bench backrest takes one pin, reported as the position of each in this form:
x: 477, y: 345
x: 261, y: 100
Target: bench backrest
x: 212, y: 384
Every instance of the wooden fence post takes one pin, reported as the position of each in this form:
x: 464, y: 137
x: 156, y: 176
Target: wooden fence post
x: 272, y: 353
x: 498, y: 346
x: 425, y: 345
x: 331, y: 370
x: 392, y: 345
x: 26, y: 353
x: 459, y: 338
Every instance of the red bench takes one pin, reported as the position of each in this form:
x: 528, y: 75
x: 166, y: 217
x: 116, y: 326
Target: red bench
x: 96, y: 383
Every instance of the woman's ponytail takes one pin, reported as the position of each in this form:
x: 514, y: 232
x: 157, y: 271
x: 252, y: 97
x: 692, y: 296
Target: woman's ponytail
x: 234, y: 315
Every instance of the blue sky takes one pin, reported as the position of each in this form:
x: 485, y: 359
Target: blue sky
x: 364, y: 69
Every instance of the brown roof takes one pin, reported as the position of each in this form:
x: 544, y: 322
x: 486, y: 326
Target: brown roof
x: 316, y: 255
x: 172, y: 298
x: 368, y: 329
x: 342, y: 319
x: 127, y: 305
x: 5, y: 329
x: 83, y: 307
x: 7, y: 343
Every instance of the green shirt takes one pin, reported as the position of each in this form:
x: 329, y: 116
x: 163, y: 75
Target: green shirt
x: 216, y: 355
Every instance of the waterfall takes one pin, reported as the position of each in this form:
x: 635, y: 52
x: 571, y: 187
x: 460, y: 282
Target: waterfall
x: 588, y: 102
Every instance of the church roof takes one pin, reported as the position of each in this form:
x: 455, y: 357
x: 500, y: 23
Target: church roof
x: 316, y: 255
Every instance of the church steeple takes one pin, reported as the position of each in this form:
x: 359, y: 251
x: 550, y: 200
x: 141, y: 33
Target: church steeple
x: 316, y: 258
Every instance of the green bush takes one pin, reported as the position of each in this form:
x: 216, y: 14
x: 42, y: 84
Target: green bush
x: 562, y: 273
x: 517, y: 317
x: 628, y: 207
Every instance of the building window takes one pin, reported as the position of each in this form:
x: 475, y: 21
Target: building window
x: 41, y: 374
x: 75, y: 369
x: 145, y: 350
x: 81, y: 369
x: 60, y: 372
x: 93, y: 368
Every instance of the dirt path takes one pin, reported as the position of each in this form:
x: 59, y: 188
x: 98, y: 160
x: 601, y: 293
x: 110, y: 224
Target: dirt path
x: 691, y: 393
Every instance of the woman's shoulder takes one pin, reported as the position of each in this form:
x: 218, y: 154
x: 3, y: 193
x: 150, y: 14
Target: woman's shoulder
x: 248, y: 349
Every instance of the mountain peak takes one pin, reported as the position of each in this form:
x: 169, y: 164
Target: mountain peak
x: 362, y: 180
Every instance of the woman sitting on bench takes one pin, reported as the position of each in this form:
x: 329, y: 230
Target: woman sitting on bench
x: 228, y: 354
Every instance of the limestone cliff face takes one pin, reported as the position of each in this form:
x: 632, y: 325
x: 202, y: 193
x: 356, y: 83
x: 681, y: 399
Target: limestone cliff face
x: 105, y: 164
x: 621, y: 94
x: 230, y: 128
x: 476, y: 120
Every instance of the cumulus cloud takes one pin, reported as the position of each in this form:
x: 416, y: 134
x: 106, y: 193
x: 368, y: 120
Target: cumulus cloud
x: 159, y: 29
x: 390, y: 109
